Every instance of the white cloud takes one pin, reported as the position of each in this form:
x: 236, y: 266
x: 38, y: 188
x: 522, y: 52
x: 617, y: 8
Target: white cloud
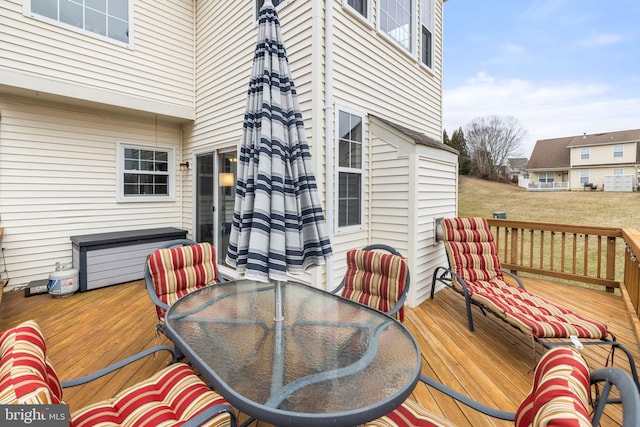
x: 601, y: 39
x: 544, y: 110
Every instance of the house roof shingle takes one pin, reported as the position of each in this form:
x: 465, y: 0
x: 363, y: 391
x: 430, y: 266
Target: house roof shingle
x: 555, y: 153
x: 550, y: 154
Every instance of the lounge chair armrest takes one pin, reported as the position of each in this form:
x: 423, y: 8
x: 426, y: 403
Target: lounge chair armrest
x: 628, y: 392
x: 340, y: 286
x: 111, y: 368
x: 516, y: 278
x: 211, y: 412
x: 152, y: 292
x: 487, y: 410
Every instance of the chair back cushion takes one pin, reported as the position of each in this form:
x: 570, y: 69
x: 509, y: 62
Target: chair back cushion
x: 471, y: 249
x: 375, y: 279
x: 410, y: 414
x: 171, y: 396
x: 26, y: 374
x: 178, y: 271
x: 560, y: 394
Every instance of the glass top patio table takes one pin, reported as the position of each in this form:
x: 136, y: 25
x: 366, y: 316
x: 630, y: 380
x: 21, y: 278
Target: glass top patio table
x: 331, y: 361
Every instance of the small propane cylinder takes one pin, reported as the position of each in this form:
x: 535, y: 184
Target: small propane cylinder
x: 63, y: 281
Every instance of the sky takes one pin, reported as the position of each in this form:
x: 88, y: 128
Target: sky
x: 561, y: 67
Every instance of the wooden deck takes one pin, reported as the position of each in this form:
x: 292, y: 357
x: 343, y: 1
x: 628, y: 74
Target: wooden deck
x: 90, y: 330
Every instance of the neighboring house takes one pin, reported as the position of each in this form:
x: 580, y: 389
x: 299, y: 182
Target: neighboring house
x: 130, y: 118
x: 516, y: 168
x: 607, y: 161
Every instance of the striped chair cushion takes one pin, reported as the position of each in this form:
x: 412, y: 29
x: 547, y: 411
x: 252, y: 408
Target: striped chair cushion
x: 171, y: 396
x: 178, y: 271
x: 473, y: 255
x: 409, y: 414
x: 560, y: 394
x: 375, y: 279
x: 26, y: 375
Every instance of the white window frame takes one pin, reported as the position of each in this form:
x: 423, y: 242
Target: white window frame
x: 618, y: 151
x: 367, y: 11
x: 618, y: 171
x: 585, y: 153
x: 427, y: 19
x: 342, y: 169
x: 412, y: 23
x: 584, y: 177
x: 27, y: 12
x: 120, y: 172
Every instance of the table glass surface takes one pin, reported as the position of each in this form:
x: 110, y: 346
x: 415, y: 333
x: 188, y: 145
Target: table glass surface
x: 328, y: 356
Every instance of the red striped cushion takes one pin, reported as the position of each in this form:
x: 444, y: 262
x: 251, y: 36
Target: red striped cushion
x: 473, y: 255
x: 178, y: 271
x: 26, y: 374
x: 409, y: 414
x: 375, y: 279
x: 172, y: 395
x: 560, y: 394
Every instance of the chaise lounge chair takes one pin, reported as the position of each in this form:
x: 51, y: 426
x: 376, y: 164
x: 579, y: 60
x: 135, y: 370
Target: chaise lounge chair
x: 475, y: 272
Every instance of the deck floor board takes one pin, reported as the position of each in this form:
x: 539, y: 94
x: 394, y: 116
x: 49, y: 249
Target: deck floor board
x: 493, y: 365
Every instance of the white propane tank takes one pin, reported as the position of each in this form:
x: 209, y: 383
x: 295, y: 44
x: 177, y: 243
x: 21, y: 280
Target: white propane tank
x: 63, y: 281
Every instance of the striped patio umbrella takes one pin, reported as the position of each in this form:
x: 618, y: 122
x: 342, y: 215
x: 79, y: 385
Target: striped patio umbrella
x: 278, y: 225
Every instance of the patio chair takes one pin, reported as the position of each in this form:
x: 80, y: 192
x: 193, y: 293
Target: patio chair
x: 564, y: 392
x: 377, y: 279
x: 176, y: 269
x: 171, y: 396
x: 475, y: 272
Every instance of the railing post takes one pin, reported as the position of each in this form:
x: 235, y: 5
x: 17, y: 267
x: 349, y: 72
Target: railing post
x: 514, y: 248
x: 611, y: 260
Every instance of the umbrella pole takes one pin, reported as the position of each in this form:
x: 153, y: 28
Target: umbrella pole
x: 278, y: 290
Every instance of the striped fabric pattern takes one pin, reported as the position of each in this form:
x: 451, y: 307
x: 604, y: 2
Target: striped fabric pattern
x: 375, y: 279
x: 278, y: 225
x: 180, y: 270
x: 560, y: 394
x: 26, y: 374
x: 172, y: 395
x: 409, y: 414
x: 473, y: 255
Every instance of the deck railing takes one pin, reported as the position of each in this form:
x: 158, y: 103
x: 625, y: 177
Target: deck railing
x: 632, y: 267
x: 572, y: 252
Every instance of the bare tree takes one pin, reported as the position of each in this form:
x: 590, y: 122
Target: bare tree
x: 490, y: 141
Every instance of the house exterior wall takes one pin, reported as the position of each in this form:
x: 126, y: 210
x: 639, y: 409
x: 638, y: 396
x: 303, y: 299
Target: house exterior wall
x: 597, y: 175
x: 603, y: 155
x: 58, y: 179
x: 154, y: 73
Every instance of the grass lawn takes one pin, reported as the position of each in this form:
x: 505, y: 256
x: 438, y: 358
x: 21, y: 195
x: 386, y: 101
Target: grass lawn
x: 478, y: 197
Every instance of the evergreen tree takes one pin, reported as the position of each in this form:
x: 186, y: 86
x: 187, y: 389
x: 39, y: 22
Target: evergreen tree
x: 459, y: 143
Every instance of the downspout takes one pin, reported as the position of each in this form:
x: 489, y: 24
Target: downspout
x: 328, y: 138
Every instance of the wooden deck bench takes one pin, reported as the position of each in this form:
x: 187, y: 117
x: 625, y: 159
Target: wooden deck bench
x: 106, y: 259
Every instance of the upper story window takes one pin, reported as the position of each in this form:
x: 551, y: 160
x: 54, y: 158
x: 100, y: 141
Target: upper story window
x: 426, y: 21
x: 584, y: 154
x: 145, y: 173
x: 109, y: 18
x: 360, y: 6
x: 395, y: 21
x: 618, y: 151
x: 350, y: 140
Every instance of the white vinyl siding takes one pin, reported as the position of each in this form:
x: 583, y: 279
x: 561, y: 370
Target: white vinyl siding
x: 157, y: 69
x: 388, y: 86
x: 58, y: 174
